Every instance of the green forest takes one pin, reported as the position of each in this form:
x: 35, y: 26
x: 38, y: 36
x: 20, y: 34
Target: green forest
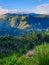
x: 28, y: 49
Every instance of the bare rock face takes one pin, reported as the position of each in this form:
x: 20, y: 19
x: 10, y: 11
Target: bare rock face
x: 30, y: 53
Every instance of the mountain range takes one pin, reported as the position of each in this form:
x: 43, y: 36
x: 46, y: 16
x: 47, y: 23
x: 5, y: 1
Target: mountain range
x: 17, y: 24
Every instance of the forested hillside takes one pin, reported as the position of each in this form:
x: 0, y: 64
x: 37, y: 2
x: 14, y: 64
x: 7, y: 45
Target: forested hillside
x: 18, y: 24
x: 27, y: 49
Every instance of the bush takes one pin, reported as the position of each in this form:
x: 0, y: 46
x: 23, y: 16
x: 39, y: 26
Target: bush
x: 41, y: 55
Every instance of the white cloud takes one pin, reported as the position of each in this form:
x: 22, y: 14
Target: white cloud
x: 4, y: 11
x: 42, y: 6
x: 42, y: 9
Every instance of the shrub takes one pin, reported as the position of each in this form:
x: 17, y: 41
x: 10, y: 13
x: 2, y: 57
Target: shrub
x: 41, y: 55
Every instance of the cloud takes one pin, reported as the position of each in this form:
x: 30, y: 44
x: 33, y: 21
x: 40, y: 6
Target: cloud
x: 43, y: 6
x: 4, y: 11
x: 42, y: 9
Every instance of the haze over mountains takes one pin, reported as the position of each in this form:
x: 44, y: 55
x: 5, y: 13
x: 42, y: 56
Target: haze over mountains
x: 17, y: 24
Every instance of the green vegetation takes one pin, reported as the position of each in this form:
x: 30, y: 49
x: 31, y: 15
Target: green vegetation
x: 29, y: 49
x: 41, y: 56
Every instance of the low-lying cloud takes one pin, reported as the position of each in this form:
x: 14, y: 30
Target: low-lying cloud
x: 4, y: 11
x: 43, y: 9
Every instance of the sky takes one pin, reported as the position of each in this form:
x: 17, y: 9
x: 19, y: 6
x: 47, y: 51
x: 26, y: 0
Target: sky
x: 25, y: 6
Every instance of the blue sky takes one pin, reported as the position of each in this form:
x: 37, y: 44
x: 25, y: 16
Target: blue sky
x: 24, y: 5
